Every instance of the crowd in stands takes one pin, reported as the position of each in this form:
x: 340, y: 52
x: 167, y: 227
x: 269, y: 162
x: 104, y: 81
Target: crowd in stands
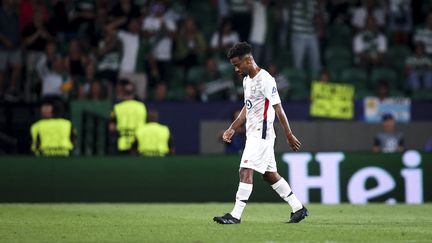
x: 175, y: 50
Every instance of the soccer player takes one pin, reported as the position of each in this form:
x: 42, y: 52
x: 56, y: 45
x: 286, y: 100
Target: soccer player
x: 262, y: 103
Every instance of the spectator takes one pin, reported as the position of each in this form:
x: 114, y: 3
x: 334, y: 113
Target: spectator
x: 76, y: 61
x: 338, y: 11
x: 282, y: 82
x: 241, y: 16
x: 108, y: 55
x: 96, y: 30
x: 52, y: 135
x: 419, y: 69
x: 160, y: 92
x: 212, y: 84
x: 304, y: 38
x: 389, y: 140
x: 191, y: 92
x: 212, y: 71
x: 96, y: 92
x: 259, y: 32
x: 10, y: 53
x: 51, y: 70
x: 370, y: 45
x: 90, y: 84
x: 35, y: 37
x: 153, y: 138
x: 368, y: 8
x: 382, y: 90
x: 82, y: 16
x: 324, y: 76
x: 190, y: 45
x: 122, y: 13
x: 281, y: 12
x: 59, y: 22
x: 161, y: 32
x: 127, y: 116
x: 400, y: 20
x: 222, y: 40
x: 27, y: 9
x: 425, y: 35
x: 223, y: 9
x: 129, y: 68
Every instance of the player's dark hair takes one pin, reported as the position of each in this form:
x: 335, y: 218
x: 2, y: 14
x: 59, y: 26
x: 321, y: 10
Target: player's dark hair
x: 239, y: 49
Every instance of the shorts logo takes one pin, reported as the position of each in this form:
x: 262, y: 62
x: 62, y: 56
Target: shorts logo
x: 274, y: 90
x: 245, y: 161
x: 248, y: 104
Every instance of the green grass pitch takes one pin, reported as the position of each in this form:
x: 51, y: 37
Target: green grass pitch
x: 193, y: 223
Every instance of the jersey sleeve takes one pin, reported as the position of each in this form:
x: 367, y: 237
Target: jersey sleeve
x: 270, y: 90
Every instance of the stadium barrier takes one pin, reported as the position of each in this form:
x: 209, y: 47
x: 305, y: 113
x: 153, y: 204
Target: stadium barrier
x: 315, y: 177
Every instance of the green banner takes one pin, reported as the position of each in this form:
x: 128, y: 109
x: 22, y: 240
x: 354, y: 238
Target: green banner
x: 321, y: 177
x: 335, y: 177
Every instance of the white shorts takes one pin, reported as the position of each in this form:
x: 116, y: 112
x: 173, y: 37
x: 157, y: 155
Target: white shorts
x: 259, y: 155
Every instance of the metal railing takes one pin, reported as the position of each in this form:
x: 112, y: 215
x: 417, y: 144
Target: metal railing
x: 94, y: 134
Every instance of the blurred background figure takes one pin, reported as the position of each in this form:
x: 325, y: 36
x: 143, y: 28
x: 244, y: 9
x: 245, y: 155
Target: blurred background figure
x: 389, y: 140
x: 130, y: 69
x: 108, y: 54
x: 382, y: 90
x: 370, y: 45
x: 52, y: 135
x: 36, y: 35
x: 161, y: 32
x: 419, y: 69
x: 52, y: 72
x: 191, y: 45
x: 424, y: 34
x: 224, y: 38
x: 10, y: 52
x: 241, y: 16
x: 400, y: 20
x: 368, y: 8
x: 260, y: 30
x: 304, y: 38
x: 153, y: 138
x: 126, y: 117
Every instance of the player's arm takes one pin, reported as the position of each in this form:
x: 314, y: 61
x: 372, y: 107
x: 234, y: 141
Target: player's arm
x: 239, y: 121
x: 292, y: 140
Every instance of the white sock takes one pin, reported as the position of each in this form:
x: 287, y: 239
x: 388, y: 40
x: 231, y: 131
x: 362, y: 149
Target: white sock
x: 285, y: 192
x: 242, y: 196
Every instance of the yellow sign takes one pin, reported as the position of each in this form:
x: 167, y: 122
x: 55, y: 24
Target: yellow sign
x: 332, y: 100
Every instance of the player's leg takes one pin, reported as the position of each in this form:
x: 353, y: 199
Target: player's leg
x: 249, y: 163
x: 244, y: 191
x: 242, y: 196
x: 281, y: 186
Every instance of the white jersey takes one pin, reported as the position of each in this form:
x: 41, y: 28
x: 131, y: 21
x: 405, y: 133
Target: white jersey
x: 260, y: 94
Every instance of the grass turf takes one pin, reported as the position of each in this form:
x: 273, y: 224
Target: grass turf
x: 193, y: 223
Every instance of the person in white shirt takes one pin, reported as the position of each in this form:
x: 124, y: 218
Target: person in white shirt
x: 262, y: 104
x: 129, y: 70
x: 370, y: 45
x: 54, y: 82
x: 160, y: 31
x: 224, y: 38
